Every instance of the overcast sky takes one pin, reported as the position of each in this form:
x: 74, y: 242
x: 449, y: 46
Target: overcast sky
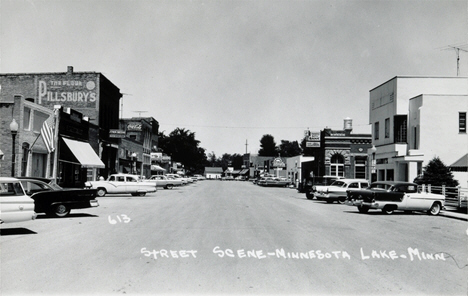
x: 233, y: 71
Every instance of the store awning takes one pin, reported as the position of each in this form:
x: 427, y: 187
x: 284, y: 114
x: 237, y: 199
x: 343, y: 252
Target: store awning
x: 157, y: 168
x: 84, y: 154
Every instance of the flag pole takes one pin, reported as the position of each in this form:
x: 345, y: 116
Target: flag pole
x: 57, y: 109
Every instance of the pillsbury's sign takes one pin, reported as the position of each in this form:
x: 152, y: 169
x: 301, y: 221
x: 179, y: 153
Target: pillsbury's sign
x: 73, y: 91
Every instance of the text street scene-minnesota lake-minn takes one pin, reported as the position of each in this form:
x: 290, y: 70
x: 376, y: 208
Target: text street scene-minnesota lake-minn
x: 234, y: 147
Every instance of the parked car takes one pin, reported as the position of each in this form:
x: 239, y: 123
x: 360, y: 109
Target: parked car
x: 15, y: 205
x: 392, y: 196
x: 57, y: 201
x: 184, y: 181
x: 165, y: 182
x: 122, y: 183
x: 199, y: 177
x: 274, y: 182
x: 309, y: 183
x: 337, y: 191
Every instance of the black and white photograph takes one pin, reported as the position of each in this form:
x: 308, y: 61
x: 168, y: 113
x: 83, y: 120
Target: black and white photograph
x: 233, y: 147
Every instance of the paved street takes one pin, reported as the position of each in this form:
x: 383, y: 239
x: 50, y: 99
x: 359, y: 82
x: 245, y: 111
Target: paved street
x: 234, y: 238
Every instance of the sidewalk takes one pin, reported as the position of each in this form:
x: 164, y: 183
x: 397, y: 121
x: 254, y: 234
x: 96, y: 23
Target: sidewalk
x: 453, y: 212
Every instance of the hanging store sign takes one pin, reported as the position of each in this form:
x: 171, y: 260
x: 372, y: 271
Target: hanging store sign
x: 116, y: 133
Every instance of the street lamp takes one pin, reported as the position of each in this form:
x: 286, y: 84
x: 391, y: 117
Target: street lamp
x: 373, y: 164
x: 14, y: 131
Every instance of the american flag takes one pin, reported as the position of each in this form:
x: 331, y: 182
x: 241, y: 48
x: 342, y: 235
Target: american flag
x: 47, y: 133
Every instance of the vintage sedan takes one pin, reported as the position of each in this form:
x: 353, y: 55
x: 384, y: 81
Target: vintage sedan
x: 336, y: 191
x: 56, y: 201
x: 274, y: 182
x: 310, y: 182
x: 165, y: 181
x: 122, y: 183
x: 184, y: 180
x: 392, y: 196
x: 15, y: 205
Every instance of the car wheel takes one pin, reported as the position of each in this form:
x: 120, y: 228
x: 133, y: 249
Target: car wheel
x: 169, y: 186
x: 309, y: 195
x: 101, y: 192
x: 387, y: 211
x: 141, y: 193
x: 61, y: 210
x: 363, y: 209
x: 342, y: 200
x: 434, y: 210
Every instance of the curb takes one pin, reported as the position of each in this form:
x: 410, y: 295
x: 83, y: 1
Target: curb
x: 458, y: 216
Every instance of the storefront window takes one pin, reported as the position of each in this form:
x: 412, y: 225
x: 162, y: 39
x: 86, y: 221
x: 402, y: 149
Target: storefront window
x: 337, y: 165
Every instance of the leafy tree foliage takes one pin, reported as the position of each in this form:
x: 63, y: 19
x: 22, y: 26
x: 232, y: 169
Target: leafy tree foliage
x: 289, y: 149
x: 182, y: 146
x: 437, y: 173
x: 225, y: 161
x: 268, y: 146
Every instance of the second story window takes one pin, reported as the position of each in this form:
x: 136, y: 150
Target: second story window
x: 38, y: 120
x: 462, y: 122
x: 27, y: 119
x: 387, y: 128
x: 376, y: 130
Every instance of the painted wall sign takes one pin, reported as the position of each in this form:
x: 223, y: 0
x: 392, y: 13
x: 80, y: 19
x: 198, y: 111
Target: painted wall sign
x: 73, y: 91
x: 134, y: 127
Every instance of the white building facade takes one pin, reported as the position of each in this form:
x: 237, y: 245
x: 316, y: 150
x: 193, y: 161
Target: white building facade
x: 437, y: 128
x: 393, y: 157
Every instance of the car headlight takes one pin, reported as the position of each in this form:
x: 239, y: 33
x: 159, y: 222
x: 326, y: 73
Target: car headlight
x: 87, y: 184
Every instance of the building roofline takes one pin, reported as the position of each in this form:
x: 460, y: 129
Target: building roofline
x: 418, y: 76
x: 60, y: 73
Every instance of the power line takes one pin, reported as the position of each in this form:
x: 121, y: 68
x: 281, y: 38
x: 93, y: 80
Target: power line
x: 254, y: 127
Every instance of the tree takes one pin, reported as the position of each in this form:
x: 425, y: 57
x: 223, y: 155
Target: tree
x: 268, y: 146
x: 437, y: 173
x: 289, y: 149
x: 182, y: 146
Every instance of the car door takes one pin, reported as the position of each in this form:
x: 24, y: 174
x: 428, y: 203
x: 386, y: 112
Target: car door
x: 132, y: 184
x: 15, y: 206
x: 415, y: 200
x: 117, y: 184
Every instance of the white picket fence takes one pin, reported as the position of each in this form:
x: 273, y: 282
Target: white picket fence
x: 454, y: 196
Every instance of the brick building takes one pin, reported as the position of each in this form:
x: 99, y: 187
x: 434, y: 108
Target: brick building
x: 89, y: 93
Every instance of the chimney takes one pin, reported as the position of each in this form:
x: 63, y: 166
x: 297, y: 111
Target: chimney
x: 70, y: 70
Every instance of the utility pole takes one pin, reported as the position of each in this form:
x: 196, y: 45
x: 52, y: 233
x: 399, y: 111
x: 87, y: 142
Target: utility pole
x: 246, y: 145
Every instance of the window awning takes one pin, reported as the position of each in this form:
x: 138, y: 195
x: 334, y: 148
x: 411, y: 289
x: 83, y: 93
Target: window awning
x: 84, y: 153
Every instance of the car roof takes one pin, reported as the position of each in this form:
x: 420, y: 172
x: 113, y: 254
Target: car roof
x: 8, y: 179
x: 394, y: 183
x: 45, y: 180
x: 352, y: 180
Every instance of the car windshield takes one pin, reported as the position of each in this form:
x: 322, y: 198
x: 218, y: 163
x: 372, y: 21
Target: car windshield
x: 338, y: 184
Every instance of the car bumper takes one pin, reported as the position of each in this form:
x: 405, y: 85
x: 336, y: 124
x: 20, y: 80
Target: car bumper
x: 93, y: 203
